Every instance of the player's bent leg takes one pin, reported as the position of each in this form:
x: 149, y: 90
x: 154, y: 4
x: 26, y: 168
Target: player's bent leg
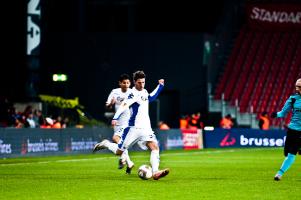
x: 154, y: 157
x: 129, y: 136
x: 160, y: 174
x: 100, y: 145
x: 277, y: 177
x: 155, y: 161
x: 291, y: 148
x: 106, y: 144
x: 125, y: 156
x: 121, y: 161
x: 116, y: 138
x: 118, y: 152
x: 287, y: 163
x: 129, y: 167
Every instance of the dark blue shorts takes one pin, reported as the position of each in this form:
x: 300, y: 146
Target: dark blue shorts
x: 292, y: 142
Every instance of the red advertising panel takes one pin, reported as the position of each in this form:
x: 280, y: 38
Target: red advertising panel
x: 192, y: 139
x: 274, y: 16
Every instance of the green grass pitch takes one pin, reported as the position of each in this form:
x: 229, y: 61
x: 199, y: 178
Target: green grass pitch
x: 235, y: 174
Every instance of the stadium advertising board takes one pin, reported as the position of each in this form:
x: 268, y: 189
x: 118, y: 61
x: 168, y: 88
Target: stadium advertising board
x: 223, y: 138
x: 30, y: 142
x: 192, y: 139
x: 180, y: 139
x: 173, y: 140
x: 5, y: 148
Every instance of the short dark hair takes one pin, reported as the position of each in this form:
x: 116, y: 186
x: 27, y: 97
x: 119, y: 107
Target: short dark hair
x: 138, y: 75
x: 124, y: 77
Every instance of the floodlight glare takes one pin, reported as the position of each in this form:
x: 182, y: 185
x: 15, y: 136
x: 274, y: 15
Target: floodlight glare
x: 59, y: 77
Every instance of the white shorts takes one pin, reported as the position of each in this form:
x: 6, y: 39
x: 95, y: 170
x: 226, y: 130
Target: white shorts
x: 118, y: 130
x: 142, y: 145
x: 131, y: 135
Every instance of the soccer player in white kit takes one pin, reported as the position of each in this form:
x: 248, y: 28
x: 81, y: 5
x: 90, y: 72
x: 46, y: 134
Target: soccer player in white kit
x: 115, y: 98
x: 139, y: 126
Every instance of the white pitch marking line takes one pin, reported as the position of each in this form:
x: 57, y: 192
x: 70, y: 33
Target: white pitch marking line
x: 137, y: 156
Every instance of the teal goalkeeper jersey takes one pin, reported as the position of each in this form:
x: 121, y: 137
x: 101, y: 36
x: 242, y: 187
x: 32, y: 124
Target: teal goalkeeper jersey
x: 295, y: 106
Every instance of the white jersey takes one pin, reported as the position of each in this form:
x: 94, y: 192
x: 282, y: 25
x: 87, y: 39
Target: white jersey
x: 138, y: 103
x: 119, y: 97
x: 139, y: 109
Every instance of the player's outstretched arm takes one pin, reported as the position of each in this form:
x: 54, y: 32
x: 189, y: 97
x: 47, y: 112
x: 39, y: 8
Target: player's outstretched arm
x: 111, y: 100
x: 161, y: 81
x: 124, y: 106
x: 154, y: 94
x: 111, y: 103
x: 286, y: 108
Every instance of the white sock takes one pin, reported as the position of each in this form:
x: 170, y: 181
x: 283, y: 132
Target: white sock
x: 155, y: 160
x: 125, y: 156
x: 112, y: 147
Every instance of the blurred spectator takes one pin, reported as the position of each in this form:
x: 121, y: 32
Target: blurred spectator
x: 29, y: 122
x: 58, y: 122
x: 18, y: 122
x: 65, y: 122
x: 163, y: 126
x: 38, y: 118
x: 11, y: 116
x: 28, y: 110
x: 264, y: 122
x: 195, y: 121
x: 48, y: 124
x: 184, y: 122
x: 226, y: 122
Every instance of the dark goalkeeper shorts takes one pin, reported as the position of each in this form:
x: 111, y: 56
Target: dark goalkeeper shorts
x: 292, y: 142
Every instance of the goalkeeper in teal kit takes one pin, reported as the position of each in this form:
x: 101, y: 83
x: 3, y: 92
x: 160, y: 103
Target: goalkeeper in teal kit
x: 293, y: 138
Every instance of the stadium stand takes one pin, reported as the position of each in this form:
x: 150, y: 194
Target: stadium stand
x: 261, y: 70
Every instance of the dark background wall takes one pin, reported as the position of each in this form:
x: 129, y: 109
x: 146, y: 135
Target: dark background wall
x: 94, y: 41
x: 95, y: 62
x: 13, y: 49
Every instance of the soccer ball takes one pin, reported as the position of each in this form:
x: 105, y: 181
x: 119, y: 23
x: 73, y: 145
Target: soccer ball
x: 145, y: 172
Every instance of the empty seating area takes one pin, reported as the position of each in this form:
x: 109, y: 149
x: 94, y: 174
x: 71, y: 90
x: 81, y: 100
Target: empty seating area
x: 261, y: 71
